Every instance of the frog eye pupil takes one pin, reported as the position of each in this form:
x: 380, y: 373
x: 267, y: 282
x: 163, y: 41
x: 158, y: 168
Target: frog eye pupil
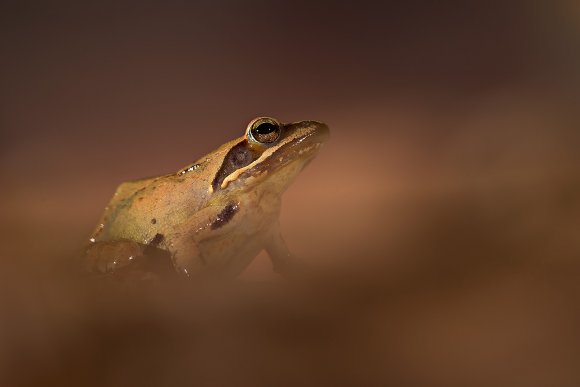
x: 266, y: 132
x: 265, y: 128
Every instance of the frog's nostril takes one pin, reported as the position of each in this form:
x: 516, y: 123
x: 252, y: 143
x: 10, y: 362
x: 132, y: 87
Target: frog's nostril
x: 320, y: 129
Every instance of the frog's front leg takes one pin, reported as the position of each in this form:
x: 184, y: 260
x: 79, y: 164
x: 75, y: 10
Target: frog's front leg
x: 283, y: 261
x: 205, y: 244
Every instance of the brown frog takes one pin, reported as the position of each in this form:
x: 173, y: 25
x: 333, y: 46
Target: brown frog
x: 215, y: 215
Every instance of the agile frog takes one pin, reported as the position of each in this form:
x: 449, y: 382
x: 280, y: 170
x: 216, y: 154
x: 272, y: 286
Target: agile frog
x: 214, y: 215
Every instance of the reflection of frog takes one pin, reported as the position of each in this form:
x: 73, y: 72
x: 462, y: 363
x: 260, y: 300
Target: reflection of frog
x: 216, y: 214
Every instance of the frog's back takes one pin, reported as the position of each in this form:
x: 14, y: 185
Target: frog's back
x: 142, y: 208
x: 121, y: 199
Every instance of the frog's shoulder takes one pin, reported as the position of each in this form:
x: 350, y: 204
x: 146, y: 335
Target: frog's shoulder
x: 128, y: 190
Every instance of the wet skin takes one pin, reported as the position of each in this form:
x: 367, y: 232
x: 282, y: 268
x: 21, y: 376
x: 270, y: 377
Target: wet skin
x: 214, y: 215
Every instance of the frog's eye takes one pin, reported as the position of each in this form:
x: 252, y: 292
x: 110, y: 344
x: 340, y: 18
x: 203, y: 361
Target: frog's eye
x: 265, y: 131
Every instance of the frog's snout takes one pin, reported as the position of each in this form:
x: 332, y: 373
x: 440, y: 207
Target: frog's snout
x: 320, y: 127
x: 312, y: 130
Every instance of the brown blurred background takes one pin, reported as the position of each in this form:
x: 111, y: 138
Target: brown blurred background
x: 443, y: 214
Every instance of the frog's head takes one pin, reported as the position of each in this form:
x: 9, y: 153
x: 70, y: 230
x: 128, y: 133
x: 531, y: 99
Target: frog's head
x: 269, y: 151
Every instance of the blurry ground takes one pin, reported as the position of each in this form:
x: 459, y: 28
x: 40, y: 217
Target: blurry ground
x: 442, y: 219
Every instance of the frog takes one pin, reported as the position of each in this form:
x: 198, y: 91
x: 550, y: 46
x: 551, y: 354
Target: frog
x: 213, y: 216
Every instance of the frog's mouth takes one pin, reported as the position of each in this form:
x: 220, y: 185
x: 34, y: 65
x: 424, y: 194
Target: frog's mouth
x: 298, y: 151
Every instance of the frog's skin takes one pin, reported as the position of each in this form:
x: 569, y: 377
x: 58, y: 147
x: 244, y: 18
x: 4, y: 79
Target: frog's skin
x: 216, y: 214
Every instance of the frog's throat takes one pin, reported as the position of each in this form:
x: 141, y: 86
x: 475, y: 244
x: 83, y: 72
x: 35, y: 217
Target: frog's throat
x: 274, y: 158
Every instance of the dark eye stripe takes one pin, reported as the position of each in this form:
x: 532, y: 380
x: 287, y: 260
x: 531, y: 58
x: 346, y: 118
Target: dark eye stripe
x: 238, y: 157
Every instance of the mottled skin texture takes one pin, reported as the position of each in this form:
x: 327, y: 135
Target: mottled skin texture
x: 211, y: 217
